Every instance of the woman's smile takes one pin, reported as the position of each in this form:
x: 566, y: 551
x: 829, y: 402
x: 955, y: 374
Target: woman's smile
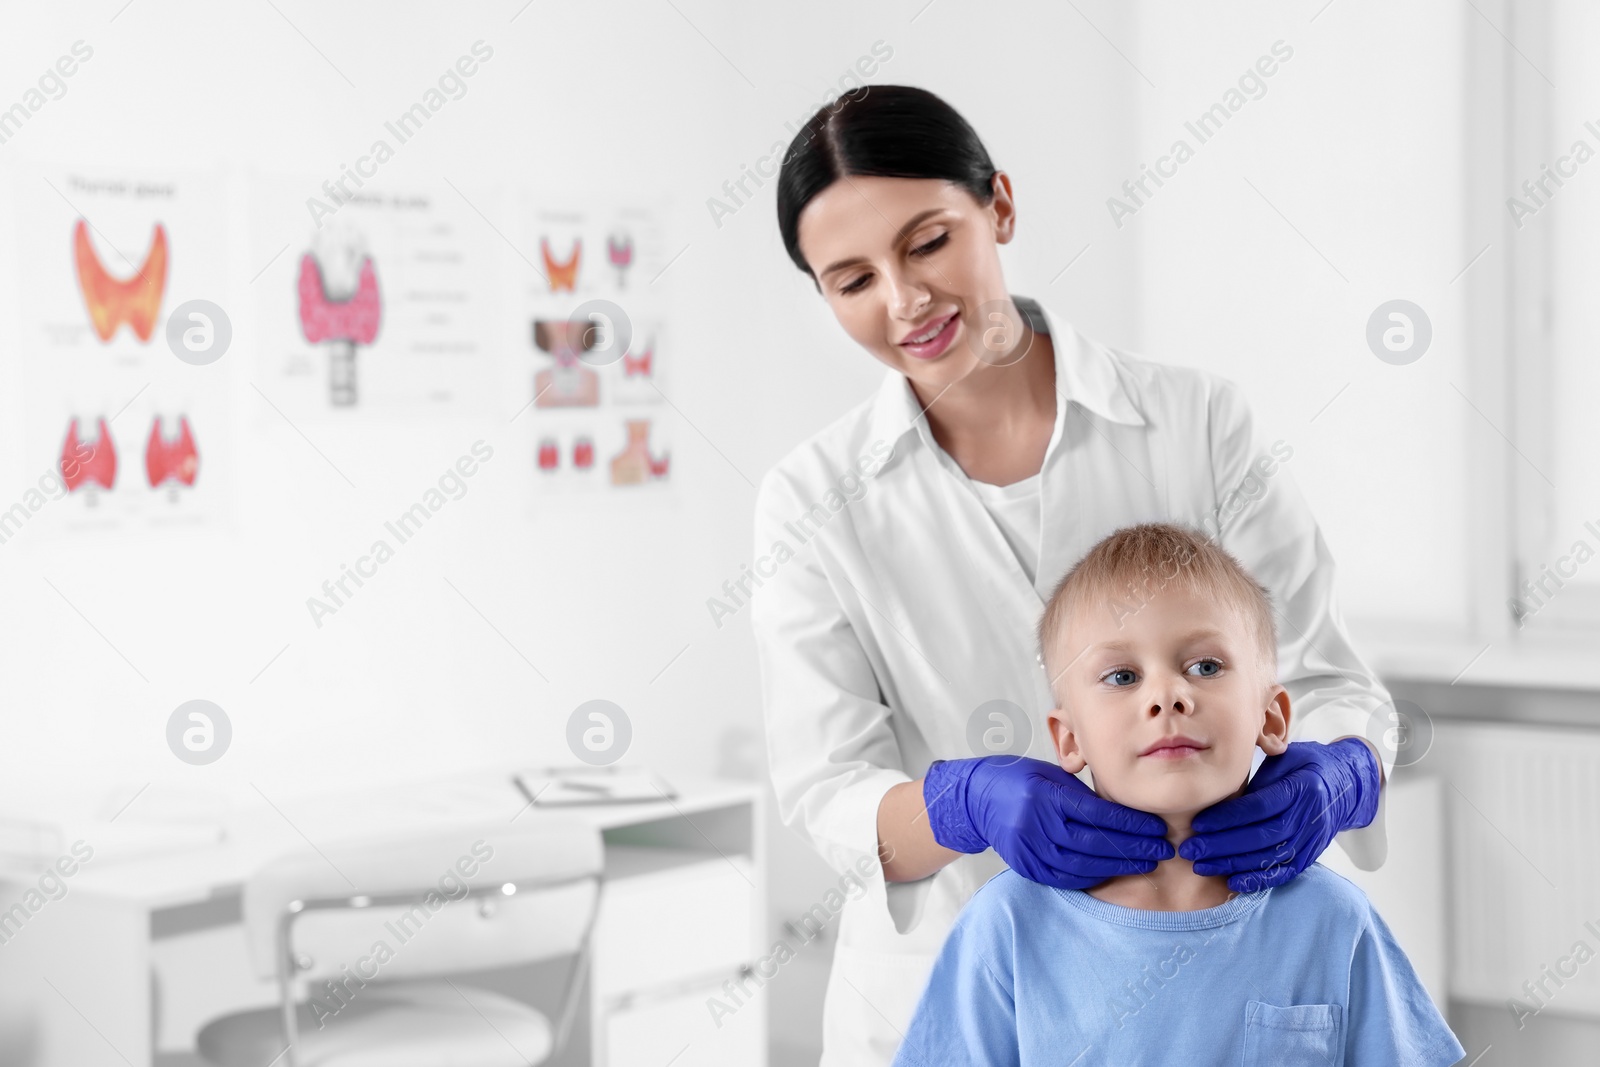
x: 938, y: 344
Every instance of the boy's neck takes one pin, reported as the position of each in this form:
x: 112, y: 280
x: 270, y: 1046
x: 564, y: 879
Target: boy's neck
x: 1172, y: 886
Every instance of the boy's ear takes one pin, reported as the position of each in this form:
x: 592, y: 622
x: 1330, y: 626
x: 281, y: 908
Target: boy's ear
x: 1066, y: 743
x: 1274, y: 736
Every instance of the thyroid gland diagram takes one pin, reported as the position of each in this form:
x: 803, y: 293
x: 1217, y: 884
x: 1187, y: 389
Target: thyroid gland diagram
x: 634, y: 465
x: 85, y: 462
x: 135, y: 300
x: 568, y: 383
x: 619, y: 249
x: 175, y: 460
x: 638, y: 364
x: 343, y: 323
x: 562, y: 275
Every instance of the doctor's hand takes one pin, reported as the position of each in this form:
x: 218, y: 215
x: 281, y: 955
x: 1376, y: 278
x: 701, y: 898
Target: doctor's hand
x: 1287, y: 815
x: 1046, y: 824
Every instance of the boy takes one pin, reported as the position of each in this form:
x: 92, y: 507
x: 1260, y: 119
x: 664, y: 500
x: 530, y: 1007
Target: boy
x: 1161, y: 652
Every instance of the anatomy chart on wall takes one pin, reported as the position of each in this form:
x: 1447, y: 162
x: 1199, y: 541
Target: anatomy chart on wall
x: 596, y: 349
x: 381, y: 302
x: 122, y: 432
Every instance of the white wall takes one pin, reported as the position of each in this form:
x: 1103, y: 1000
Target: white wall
x: 638, y: 97
x: 1338, y: 189
x: 408, y: 679
x: 641, y: 98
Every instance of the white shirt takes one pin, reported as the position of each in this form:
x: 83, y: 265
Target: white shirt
x: 892, y: 606
x: 1016, y: 510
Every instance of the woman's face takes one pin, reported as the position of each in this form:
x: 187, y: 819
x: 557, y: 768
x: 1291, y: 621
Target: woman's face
x: 894, y: 257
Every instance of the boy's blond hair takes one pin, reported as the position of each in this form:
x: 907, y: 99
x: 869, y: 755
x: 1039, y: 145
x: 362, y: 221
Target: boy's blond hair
x: 1127, y: 568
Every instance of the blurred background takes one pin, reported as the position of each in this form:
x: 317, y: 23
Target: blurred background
x: 360, y: 367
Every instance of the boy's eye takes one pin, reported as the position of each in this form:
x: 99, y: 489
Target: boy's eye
x: 1123, y: 677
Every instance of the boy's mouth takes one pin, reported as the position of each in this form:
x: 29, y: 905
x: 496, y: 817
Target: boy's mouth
x: 1176, y: 747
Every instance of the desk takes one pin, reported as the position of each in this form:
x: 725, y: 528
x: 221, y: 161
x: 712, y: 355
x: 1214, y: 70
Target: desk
x: 139, y: 953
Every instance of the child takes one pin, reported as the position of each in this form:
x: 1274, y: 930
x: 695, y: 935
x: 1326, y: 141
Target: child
x: 1157, y: 637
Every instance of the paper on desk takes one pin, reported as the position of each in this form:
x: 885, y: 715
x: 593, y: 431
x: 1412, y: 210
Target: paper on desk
x: 561, y: 786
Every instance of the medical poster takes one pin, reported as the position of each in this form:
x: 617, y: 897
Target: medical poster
x: 377, y: 300
x: 118, y: 431
x: 594, y: 367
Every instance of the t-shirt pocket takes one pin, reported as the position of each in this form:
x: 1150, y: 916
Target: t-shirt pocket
x: 1292, y: 1035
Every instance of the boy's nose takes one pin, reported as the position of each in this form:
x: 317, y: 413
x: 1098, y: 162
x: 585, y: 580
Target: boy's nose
x: 1170, y: 691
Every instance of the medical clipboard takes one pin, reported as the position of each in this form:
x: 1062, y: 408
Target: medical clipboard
x: 565, y: 787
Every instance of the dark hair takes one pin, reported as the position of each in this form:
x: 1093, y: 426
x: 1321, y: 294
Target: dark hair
x: 878, y: 131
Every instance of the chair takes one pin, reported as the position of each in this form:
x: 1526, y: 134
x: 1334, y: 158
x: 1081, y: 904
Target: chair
x: 361, y: 935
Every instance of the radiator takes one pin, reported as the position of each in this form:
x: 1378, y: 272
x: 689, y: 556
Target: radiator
x: 1523, y: 816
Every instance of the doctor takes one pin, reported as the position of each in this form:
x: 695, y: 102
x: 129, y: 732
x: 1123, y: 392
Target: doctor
x: 911, y: 544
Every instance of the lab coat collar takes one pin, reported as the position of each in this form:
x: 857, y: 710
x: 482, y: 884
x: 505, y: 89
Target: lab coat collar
x: 1085, y: 375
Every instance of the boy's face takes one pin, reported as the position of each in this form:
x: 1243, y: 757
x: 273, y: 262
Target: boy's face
x: 1177, y: 667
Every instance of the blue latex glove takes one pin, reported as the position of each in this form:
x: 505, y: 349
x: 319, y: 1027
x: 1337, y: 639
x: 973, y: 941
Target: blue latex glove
x: 1048, y: 826
x: 1288, y: 814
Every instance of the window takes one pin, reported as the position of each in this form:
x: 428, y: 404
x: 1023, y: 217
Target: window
x: 1553, y: 200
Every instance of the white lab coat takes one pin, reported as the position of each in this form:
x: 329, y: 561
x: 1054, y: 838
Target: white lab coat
x: 890, y: 606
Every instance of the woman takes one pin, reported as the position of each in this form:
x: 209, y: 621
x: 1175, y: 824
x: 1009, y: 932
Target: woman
x: 906, y: 550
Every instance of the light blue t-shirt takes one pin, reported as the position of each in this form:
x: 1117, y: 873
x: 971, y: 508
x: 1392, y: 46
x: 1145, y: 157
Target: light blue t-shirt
x: 1303, y: 973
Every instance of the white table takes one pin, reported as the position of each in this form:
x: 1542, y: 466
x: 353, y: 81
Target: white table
x: 140, y: 952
